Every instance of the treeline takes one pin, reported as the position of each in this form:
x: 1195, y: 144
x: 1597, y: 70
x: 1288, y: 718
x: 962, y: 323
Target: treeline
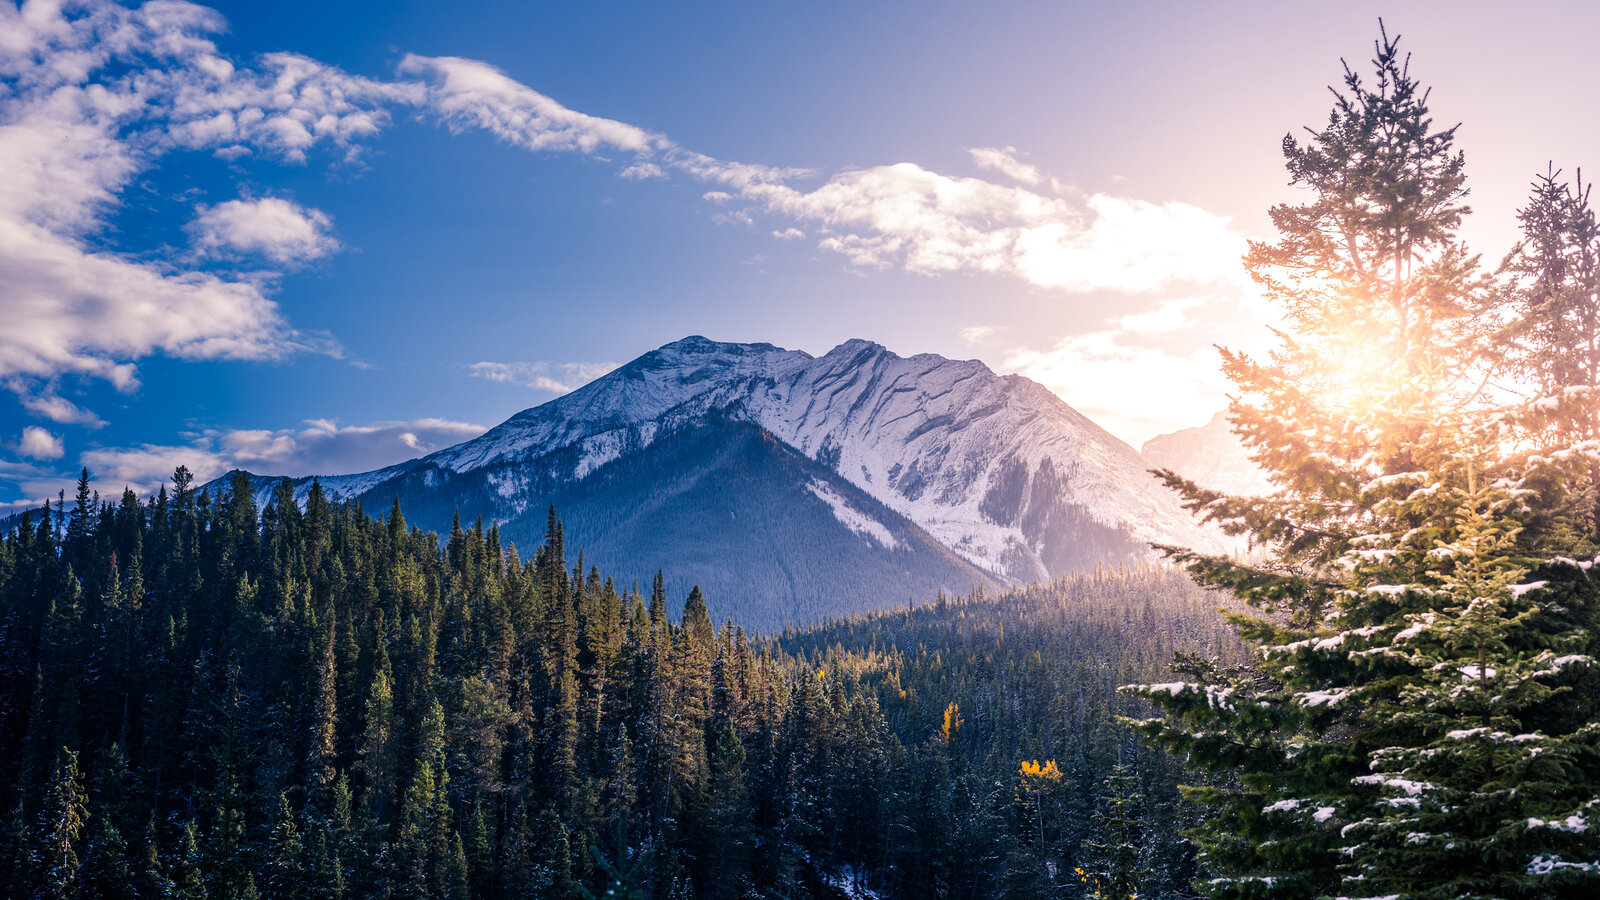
x: 1032, y: 676
x: 202, y: 699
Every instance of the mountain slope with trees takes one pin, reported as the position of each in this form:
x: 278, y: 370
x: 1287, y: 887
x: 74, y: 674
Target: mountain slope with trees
x: 200, y: 698
x: 1009, y: 479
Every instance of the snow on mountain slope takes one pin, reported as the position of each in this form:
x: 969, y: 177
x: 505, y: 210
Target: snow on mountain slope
x: 960, y: 451
x: 852, y: 518
x: 997, y: 468
x: 1210, y: 455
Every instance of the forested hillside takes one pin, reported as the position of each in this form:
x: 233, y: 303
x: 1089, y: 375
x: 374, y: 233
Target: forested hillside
x: 200, y: 698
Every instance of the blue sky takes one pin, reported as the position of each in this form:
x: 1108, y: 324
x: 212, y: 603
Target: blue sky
x: 326, y: 237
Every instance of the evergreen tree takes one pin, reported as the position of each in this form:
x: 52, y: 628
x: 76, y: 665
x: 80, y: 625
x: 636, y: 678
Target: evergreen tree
x: 60, y: 826
x: 104, y: 873
x: 1113, y: 855
x: 284, y: 876
x: 724, y: 820
x: 1400, y: 733
x: 189, y: 882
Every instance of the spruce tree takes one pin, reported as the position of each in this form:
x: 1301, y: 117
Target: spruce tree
x: 1401, y: 732
x: 1113, y: 853
x: 60, y: 827
x: 104, y: 873
x: 284, y: 875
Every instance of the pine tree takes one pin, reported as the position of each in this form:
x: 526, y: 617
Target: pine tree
x: 152, y: 877
x: 410, y: 851
x: 284, y: 876
x: 552, y: 858
x: 1113, y: 854
x: 1399, y: 733
x: 104, y: 873
x: 623, y: 878
x: 189, y: 882
x: 1555, y: 336
x: 19, y: 859
x: 60, y: 825
x: 378, y: 755
x: 724, y: 819
x: 1557, y: 265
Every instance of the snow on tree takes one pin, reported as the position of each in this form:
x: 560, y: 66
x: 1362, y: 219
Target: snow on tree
x: 1421, y: 719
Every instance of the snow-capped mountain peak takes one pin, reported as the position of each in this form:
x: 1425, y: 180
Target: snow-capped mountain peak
x: 997, y: 468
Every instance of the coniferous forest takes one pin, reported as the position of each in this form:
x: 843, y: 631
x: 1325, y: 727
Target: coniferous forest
x: 207, y: 699
x: 204, y: 699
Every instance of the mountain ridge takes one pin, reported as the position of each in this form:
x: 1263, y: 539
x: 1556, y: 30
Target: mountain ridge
x: 996, y: 468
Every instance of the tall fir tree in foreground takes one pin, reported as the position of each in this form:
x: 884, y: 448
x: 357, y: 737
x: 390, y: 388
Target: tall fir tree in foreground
x: 1422, y: 719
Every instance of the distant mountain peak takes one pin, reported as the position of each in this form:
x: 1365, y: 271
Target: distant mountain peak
x: 998, y: 470
x: 700, y: 344
x: 1210, y: 455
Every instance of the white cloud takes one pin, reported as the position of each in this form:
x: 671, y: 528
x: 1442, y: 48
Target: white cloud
x: 321, y: 447
x: 466, y: 93
x: 92, y: 96
x: 72, y: 310
x: 279, y: 229
x: 60, y: 410
x: 900, y: 214
x: 930, y: 223
x: 788, y: 234
x: 1164, y: 319
x: 1131, y: 246
x: 1005, y: 161
x: 1149, y: 372
x: 1135, y: 392
x: 40, y: 444
x: 557, y: 378
x: 642, y: 170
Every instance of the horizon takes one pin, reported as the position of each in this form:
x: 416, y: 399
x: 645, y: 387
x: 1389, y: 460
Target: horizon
x: 432, y: 220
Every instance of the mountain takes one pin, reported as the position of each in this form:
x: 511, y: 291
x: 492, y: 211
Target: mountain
x: 1210, y: 455
x: 803, y: 486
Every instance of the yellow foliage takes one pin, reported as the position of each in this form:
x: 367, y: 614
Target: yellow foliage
x: 1038, y: 777
x: 1032, y: 768
x: 1093, y: 883
x: 952, y: 721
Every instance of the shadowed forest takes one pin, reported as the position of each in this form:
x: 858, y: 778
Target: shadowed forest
x: 210, y: 700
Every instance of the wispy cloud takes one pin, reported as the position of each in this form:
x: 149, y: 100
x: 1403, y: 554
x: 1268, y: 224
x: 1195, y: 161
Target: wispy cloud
x: 319, y: 447
x: 49, y: 405
x: 980, y: 334
x: 1004, y: 161
x: 1168, y: 317
x: 94, y: 94
x: 930, y: 223
x: 557, y: 378
x: 900, y: 214
x: 467, y: 93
